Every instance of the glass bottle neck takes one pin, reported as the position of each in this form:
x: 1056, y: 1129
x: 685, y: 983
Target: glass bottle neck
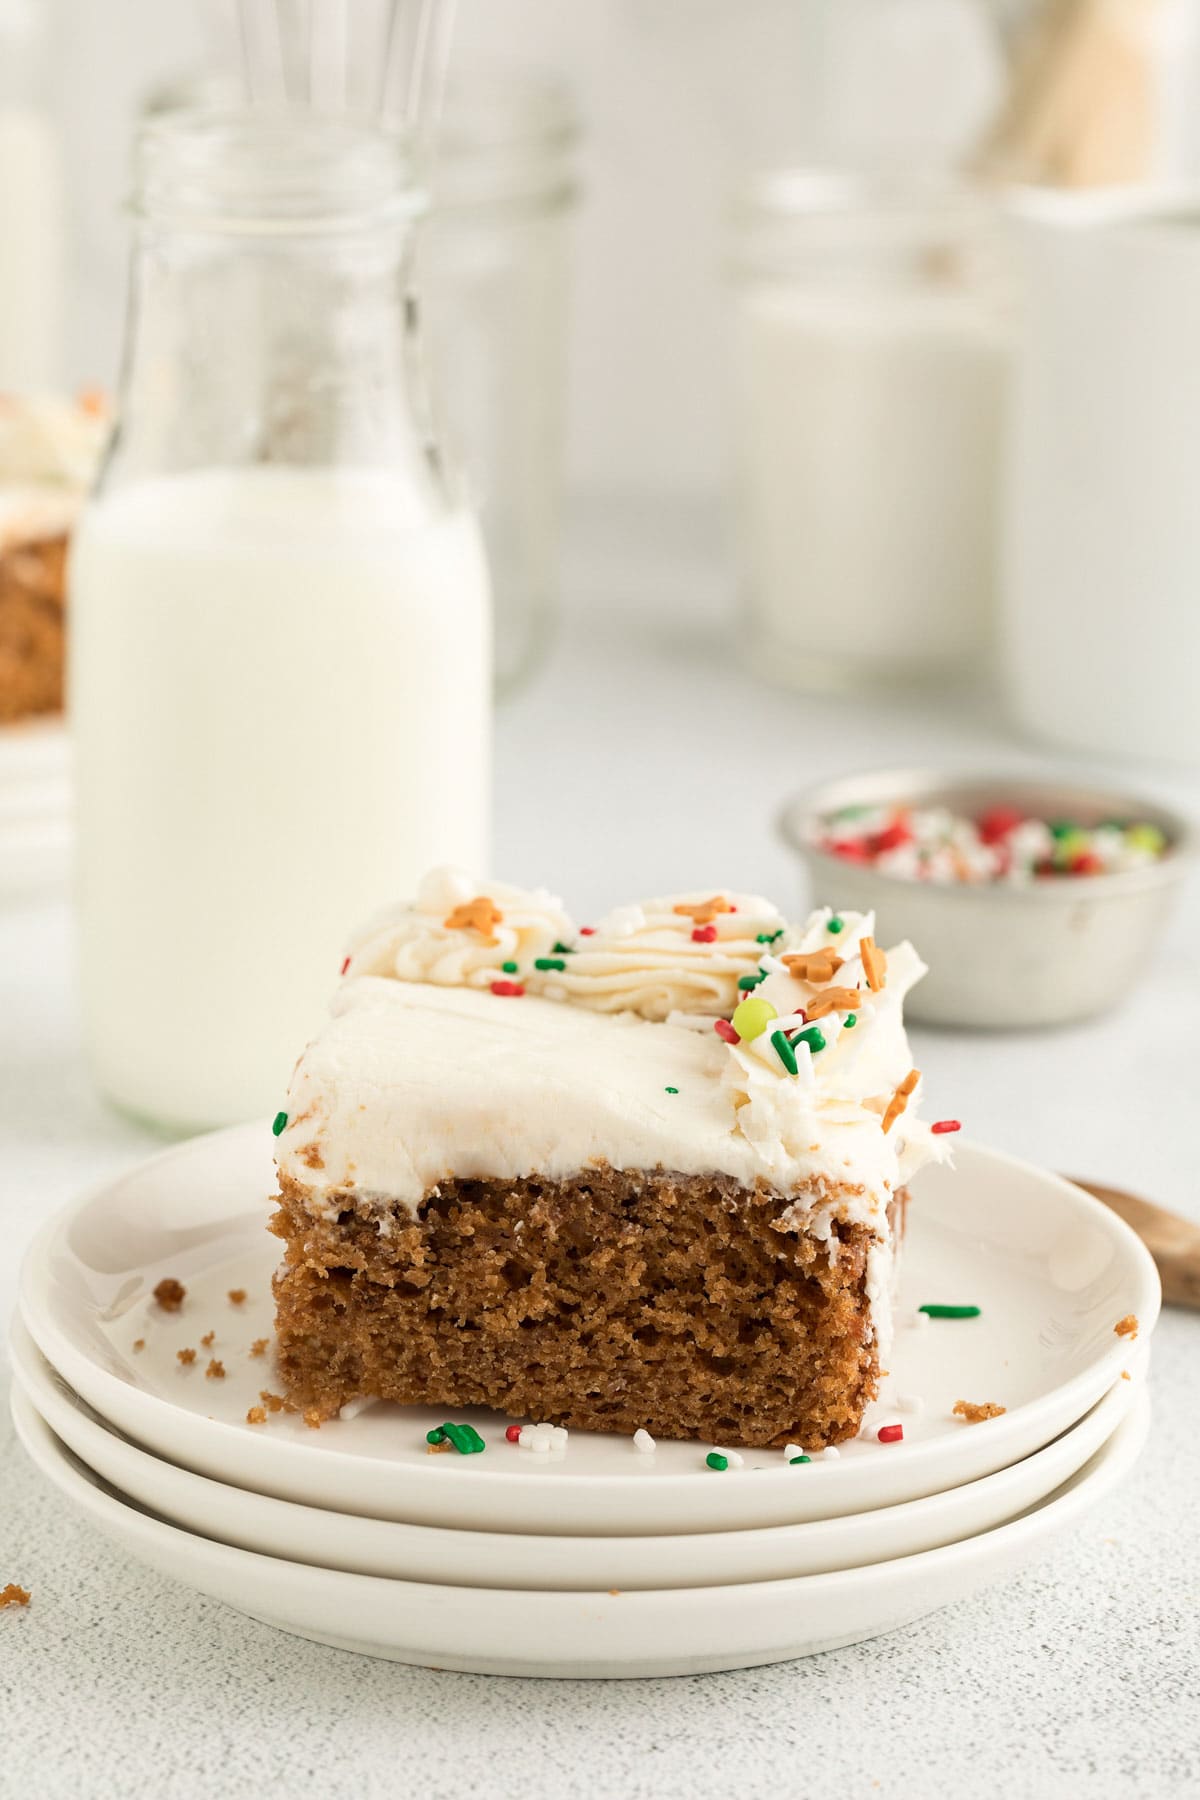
x: 250, y: 349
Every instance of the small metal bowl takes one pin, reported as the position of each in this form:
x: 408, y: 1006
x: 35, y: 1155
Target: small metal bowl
x: 1002, y: 955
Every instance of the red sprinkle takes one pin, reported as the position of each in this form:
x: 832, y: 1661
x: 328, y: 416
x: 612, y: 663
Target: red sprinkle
x: 725, y: 1030
x: 849, y: 849
x: 513, y: 1434
x: 345, y: 965
x: 997, y: 822
x: 587, y: 931
x: 890, y: 1434
x: 946, y: 1125
x: 1087, y: 864
x: 508, y: 990
x: 704, y: 934
x: 892, y: 838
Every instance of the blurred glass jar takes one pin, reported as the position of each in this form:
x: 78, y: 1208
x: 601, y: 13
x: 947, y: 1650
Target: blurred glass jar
x: 871, y: 359
x: 495, y: 264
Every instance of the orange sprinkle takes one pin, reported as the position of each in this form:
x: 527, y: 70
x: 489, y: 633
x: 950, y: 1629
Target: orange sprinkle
x: 813, y: 965
x: 12, y: 1595
x: 1127, y: 1327
x: 975, y: 1414
x: 833, y: 999
x: 186, y: 1357
x: 874, y: 962
x: 237, y: 1296
x: 139, y: 1343
x: 215, y: 1371
x: 93, y: 401
x: 899, y: 1099
x: 478, y: 915
x: 703, y: 912
x: 259, y: 1347
x: 1125, y: 1375
x: 257, y: 1415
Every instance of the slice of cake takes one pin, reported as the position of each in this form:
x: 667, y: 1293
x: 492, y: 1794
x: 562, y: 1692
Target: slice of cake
x: 48, y: 453
x: 647, y: 1174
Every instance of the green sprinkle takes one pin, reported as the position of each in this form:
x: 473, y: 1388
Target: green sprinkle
x: 835, y: 925
x: 951, y: 1312
x: 510, y: 968
x: 748, y: 983
x: 786, y: 1054
x: 564, y: 949
x: 465, y: 1438
x: 670, y: 1090
x: 715, y: 1460
x: 795, y: 1459
x: 764, y: 937
x: 278, y: 1123
x: 546, y: 962
x: 814, y: 1037
x: 1061, y: 828
x: 850, y: 1020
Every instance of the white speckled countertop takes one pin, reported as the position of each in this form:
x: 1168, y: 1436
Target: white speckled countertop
x: 1082, y: 1677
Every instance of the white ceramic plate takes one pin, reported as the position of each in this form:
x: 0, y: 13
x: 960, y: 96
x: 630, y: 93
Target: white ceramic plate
x: 683, y: 1631
x: 1052, y: 1269
x: 428, y: 1553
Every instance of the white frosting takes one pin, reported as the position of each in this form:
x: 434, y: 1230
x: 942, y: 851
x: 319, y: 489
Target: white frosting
x: 648, y: 959
x: 49, y: 448
x: 424, y: 1074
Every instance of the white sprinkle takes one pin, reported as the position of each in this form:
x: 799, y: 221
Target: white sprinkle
x: 733, y: 1457
x: 790, y: 1450
x: 910, y: 1403
x: 558, y: 1437
x: 358, y: 1405
x: 644, y: 1442
x: 830, y: 1455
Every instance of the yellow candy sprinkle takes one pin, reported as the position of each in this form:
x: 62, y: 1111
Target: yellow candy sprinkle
x: 752, y: 1016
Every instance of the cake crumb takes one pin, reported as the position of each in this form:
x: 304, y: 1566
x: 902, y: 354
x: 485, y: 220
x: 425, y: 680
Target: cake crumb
x: 1125, y: 1375
x: 208, y: 1339
x: 273, y: 1402
x: 614, y: 1593
x: 439, y: 1449
x: 170, y: 1294
x: 236, y: 1296
x: 257, y: 1415
x: 186, y: 1356
x: 312, y: 1418
x: 139, y: 1343
x: 1127, y: 1327
x: 975, y: 1413
x: 12, y: 1595
x: 259, y: 1347
x: 215, y: 1371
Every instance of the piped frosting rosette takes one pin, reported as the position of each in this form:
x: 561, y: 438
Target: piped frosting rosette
x: 684, y: 953
x: 459, y: 933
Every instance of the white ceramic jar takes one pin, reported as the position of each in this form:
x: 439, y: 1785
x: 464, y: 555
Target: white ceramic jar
x: 1102, y: 530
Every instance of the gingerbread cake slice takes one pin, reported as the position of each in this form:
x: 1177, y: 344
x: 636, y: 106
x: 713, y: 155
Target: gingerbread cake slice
x: 648, y: 1174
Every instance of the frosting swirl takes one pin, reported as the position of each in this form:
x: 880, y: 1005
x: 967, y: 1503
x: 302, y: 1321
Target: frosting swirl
x: 461, y: 933
x: 682, y: 953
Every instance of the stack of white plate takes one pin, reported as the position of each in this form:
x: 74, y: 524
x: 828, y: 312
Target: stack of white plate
x: 595, y: 1559
x: 35, y: 807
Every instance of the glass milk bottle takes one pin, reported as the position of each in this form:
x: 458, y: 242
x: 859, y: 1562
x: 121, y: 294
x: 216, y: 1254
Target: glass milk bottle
x: 871, y: 362
x: 280, y: 669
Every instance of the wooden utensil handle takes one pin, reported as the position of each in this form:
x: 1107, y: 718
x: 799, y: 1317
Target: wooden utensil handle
x: 1172, y: 1241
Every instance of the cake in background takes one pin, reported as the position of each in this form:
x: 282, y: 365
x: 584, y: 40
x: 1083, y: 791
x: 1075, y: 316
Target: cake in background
x: 49, y: 448
x: 649, y: 1174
